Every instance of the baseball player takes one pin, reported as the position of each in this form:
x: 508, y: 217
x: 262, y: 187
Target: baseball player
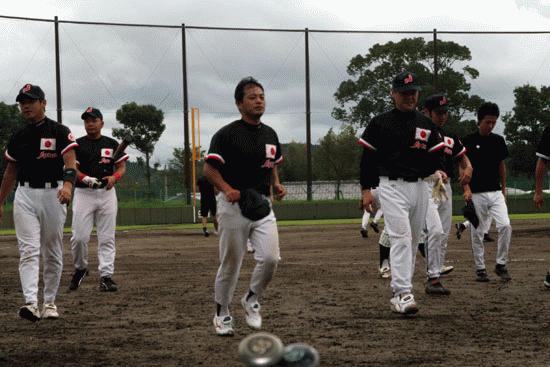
x: 95, y: 200
x: 543, y: 154
x: 41, y: 160
x: 487, y: 152
x: 244, y: 155
x: 402, y: 147
x: 208, y: 204
x: 439, y: 216
x: 366, y: 216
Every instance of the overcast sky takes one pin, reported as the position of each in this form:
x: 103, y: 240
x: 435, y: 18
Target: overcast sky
x: 108, y: 66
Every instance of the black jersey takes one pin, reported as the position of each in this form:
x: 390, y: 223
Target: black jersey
x: 400, y: 144
x: 543, y: 150
x: 245, y: 155
x: 38, y: 150
x: 206, y: 189
x: 485, y: 154
x: 95, y: 157
x: 453, y: 150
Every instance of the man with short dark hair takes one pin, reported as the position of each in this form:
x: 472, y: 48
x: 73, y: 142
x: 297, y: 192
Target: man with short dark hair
x: 487, y: 152
x: 95, y: 200
x: 543, y: 155
x: 41, y: 160
x: 401, y: 149
x: 242, y: 164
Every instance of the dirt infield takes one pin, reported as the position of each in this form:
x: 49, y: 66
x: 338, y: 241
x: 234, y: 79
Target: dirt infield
x: 326, y: 293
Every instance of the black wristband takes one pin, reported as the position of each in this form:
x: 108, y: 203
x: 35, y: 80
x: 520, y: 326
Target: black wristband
x: 69, y: 174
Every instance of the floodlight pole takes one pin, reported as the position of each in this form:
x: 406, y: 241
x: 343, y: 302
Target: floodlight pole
x: 58, y: 72
x: 308, y: 121
x: 434, y: 81
x: 186, y: 153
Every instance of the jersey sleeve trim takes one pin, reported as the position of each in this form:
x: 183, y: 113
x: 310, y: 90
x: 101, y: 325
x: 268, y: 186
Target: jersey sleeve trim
x: 9, y: 157
x: 540, y: 155
x: 216, y: 157
x: 437, y: 147
x: 69, y: 147
x: 462, y: 152
x: 125, y: 157
x: 279, y: 161
x: 366, y: 144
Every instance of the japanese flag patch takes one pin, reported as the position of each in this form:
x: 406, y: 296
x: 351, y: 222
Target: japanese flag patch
x: 449, y: 142
x: 422, y: 134
x: 106, y: 153
x: 270, y: 151
x: 47, y: 144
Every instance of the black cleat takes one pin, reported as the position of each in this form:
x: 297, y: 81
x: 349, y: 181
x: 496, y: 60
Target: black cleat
x: 502, y: 272
x: 435, y: 287
x: 482, y: 276
x: 374, y: 227
x: 78, y: 276
x: 547, y: 280
x: 422, y: 249
x: 106, y: 284
x: 364, y: 233
x: 487, y: 238
x: 459, y: 229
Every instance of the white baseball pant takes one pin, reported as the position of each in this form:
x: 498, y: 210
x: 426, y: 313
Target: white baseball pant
x: 439, y: 218
x: 99, y: 206
x: 39, y: 219
x: 234, y: 230
x: 405, y: 205
x: 491, y: 204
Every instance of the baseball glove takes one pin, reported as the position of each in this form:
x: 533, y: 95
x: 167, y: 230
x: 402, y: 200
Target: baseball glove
x: 253, y: 205
x: 439, y: 194
x: 469, y: 212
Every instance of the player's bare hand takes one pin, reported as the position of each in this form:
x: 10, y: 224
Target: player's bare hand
x: 110, y: 181
x: 64, y: 195
x: 232, y: 195
x: 538, y: 199
x: 443, y: 175
x: 465, y: 178
x: 368, y: 201
x: 280, y: 191
x: 467, y: 195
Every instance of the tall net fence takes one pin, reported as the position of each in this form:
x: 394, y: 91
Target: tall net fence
x: 107, y: 66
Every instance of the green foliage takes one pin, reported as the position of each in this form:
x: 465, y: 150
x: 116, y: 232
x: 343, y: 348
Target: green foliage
x: 11, y: 121
x: 294, y: 167
x: 144, y: 124
x: 338, y: 155
x: 524, y: 127
x: 367, y: 92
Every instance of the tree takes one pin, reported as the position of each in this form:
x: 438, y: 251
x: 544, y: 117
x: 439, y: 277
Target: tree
x: 11, y: 121
x: 524, y: 126
x: 338, y: 155
x: 366, y: 94
x: 144, y: 124
x: 294, y: 167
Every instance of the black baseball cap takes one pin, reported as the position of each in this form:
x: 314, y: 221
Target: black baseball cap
x: 405, y: 81
x: 91, y: 112
x: 437, y: 102
x: 30, y: 91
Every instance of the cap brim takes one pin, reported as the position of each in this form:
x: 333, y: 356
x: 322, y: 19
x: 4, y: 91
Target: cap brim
x: 407, y: 87
x: 89, y: 114
x: 441, y: 109
x: 23, y: 96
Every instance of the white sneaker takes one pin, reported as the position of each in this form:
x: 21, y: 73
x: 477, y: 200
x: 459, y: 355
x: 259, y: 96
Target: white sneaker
x: 252, y: 311
x: 446, y: 269
x: 49, y: 311
x: 404, y: 303
x: 223, y: 325
x: 385, y: 270
x: 29, y: 312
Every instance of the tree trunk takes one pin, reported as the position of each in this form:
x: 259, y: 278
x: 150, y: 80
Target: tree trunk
x: 148, y: 194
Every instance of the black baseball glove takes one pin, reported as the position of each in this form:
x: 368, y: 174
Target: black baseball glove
x: 253, y: 205
x: 469, y: 212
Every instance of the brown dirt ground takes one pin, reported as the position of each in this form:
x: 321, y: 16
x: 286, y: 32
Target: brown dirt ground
x: 326, y: 293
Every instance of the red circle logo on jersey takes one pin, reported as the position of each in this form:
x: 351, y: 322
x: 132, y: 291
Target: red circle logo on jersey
x: 449, y: 141
x: 273, y: 151
x: 47, y: 144
x: 107, y: 152
x: 423, y: 134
